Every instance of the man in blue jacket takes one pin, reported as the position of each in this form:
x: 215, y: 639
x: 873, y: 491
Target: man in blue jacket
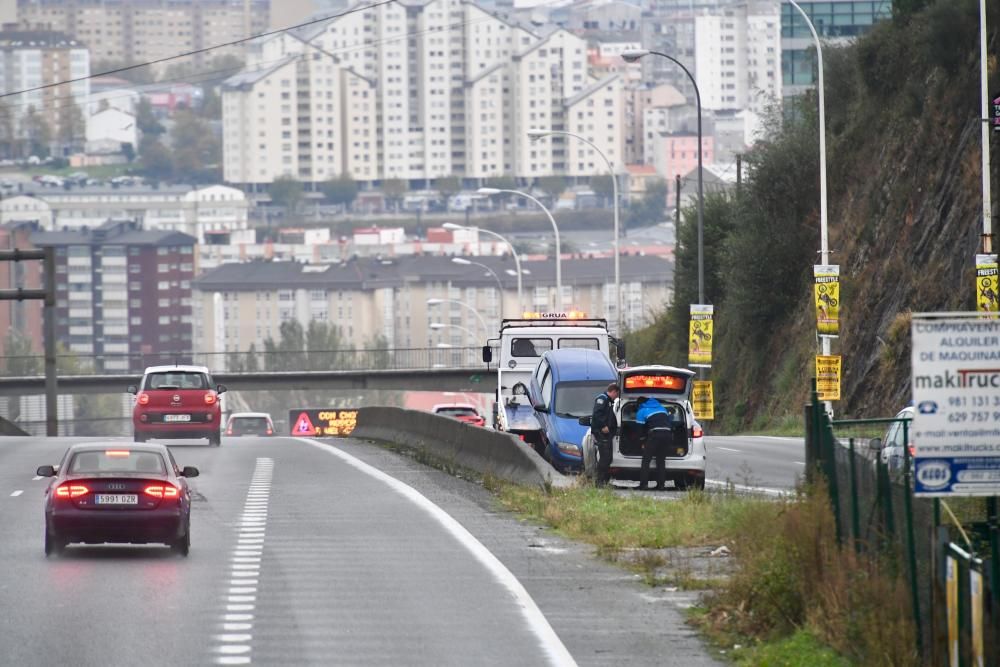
x: 658, y: 436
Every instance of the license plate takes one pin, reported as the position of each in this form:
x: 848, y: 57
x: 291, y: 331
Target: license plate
x: 116, y: 499
x: 176, y: 418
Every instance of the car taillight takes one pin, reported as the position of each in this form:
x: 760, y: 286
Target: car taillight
x: 72, y: 491
x: 913, y: 451
x: 270, y: 431
x: 697, y: 432
x: 144, y: 399
x: 210, y: 398
x: 161, y: 491
x: 229, y: 431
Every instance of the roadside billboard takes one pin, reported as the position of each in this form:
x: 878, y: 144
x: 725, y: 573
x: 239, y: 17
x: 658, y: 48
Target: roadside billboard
x: 322, y: 422
x: 956, y: 395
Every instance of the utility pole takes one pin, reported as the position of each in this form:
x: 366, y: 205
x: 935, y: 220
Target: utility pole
x: 677, y: 212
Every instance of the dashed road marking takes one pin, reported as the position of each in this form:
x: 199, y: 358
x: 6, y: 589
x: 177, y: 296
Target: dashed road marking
x: 727, y: 449
x: 234, y: 643
x: 36, y: 478
x: 16, y: 494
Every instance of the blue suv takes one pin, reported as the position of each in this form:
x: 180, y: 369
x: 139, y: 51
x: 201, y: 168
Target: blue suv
x: 563, y: 389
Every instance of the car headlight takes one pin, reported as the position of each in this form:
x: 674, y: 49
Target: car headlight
x: 569, y: 449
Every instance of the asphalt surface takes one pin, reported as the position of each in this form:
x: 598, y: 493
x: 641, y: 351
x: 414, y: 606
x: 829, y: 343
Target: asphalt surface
x: 764, y: 462
x: 303, y: 557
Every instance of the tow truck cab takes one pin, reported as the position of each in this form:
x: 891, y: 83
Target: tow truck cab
x: 519, y: 349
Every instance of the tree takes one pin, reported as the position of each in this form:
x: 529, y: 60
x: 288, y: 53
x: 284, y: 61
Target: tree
x: 297, y: 349
x: 128, y: 150
x: 286, y: 192
x: 8, y: 141
x: 553, y: 186
x: 342, y: 190
x: 72, y: 128
x: 137, y: 75
x: 394, y: 189
x: 155, y: 161
x: 651, y: 208
x: 448, y: 187
x: 505, y: 182
x: 39, y: 134
x: 603, y: 186
x: 146, y: 121
x: 197, y: 151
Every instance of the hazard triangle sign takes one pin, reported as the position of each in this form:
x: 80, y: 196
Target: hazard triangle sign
x: 304, y: 425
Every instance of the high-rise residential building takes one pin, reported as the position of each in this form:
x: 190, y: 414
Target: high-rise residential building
x: 135, y: 31
x: 122, y: 292
x: 836, y: 21
x: 41, y: 117
x: 417, y: 92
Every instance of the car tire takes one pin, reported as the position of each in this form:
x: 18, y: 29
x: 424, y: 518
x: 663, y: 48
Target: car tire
x: 696, y: 482
x: 182, y: 545
x: 215, y: 439
x: 53, y: 545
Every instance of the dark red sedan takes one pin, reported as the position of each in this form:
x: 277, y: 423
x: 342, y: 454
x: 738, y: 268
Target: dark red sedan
x: 109, y: 493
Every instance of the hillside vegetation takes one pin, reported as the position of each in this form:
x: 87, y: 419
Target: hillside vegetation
x: 904, y: 179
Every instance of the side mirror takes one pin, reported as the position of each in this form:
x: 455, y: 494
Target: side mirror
x: 132, y: 389
x: 189, y: 471
x: 45, y: 471
x: 875, y: 444
x: 220, y: 389
x: 584, y: 421
x: 487, y: 354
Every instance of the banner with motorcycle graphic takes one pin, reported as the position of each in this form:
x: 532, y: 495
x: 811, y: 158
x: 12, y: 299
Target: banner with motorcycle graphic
x: 827, y: 292
x: 987, y: 290
x: 700, y: 337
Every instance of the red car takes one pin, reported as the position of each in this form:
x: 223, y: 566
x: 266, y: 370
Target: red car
x: 177, y: 402
x: 463, y: 412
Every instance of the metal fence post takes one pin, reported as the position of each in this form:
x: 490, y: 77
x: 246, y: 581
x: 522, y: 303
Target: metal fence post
x: 994, y: 579
x: 910, y: 542
x: 51, y: 386
x: 855, y: 518
x: 830, y: 454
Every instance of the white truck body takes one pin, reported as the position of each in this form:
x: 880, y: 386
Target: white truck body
x: 518, y: 351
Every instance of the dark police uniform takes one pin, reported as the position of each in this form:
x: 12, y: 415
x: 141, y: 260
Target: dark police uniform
x: 603, y: 415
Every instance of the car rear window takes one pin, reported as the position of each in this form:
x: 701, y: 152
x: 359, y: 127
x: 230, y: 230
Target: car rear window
x: 457, y: 412
x: 117, y: 460
x: 249, y: 422
x: 176, y: 380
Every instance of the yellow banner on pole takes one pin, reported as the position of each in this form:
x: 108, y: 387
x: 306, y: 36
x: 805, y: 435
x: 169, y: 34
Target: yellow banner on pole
x: 827, y: 292
x: 703, y: 400
x: 987, y: 289
x: 700, y: 337
x: 828, y: 377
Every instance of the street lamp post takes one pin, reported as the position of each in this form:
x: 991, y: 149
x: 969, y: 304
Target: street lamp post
x: 482, y: 322
x: 466, y: 262
x: 437, y: 326
x: 632, y: 56
x: 555, y: 229
x: 517, y: 260
x: 538, y: 134
x: 823, y: 238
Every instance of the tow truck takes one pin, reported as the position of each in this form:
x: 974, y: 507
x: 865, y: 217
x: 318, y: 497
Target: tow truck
x: 519, y: 349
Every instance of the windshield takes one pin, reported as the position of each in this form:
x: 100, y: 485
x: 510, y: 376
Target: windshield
x: 249, y: 423
x: 176, y: 380
x: 117, y: 460
x: 576, y: 399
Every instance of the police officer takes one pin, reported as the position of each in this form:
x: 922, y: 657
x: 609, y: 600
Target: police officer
x: 658, y: 436
x: 603, y: 427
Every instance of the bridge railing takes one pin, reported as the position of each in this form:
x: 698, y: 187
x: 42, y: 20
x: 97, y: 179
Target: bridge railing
x: 261, y: 360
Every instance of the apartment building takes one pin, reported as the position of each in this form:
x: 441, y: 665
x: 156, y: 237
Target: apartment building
x: 239, y: 305
x: 417, y: 92
x: 122, y: 291
x: 134, y: 31
x: 194, y: 211
x: 30, y: 60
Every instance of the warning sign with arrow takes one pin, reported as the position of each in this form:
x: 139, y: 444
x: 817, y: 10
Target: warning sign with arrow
x: 316, y: 422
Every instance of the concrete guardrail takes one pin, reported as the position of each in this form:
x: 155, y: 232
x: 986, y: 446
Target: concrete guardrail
x: 473, y: 447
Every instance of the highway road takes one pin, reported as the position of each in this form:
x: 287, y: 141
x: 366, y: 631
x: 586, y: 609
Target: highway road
x: 756, y: 461
x: 309, y: 553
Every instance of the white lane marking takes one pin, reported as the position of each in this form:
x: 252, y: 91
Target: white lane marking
x: 801, y: 463
x: 778, y: 437
x: 235, y: 645
x: 555, y: 650
x: 16, y: 494
x: 36, y: 478
x: 726, y: 449
x: 718, y: 483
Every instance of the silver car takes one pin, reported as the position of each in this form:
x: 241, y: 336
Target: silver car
x: 891, y: 446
